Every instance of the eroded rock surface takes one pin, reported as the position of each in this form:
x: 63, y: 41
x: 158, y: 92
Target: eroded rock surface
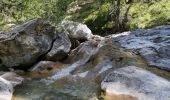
x: 135, y: 83
x: 152, y: 44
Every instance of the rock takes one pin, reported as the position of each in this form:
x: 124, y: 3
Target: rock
x: 6, y: 89
x: 76, y: 30
x: 7, y: 82
x: 46, y: 68
x: 152, y: 44
x: 132, y: 83
x: 93, y: 58
x: 26, y: 43
x: 83, y: 52
x: 13, y: 78
x: 60, y: 49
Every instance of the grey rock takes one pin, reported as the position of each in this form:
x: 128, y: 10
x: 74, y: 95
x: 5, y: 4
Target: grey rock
x: 78, y: 79
x: 13, y: 78
x: 26, y: 43
x: 60, y: 49
x: 6, y: 89
x: 152, y: 44
x: 135, y: 83
x: 76, y: 30
x: 7, y: 83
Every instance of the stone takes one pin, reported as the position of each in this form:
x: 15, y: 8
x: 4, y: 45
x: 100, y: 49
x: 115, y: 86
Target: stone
x: 133, y: 83
x: 76, y: 30
x: 152, y: 44
x: 60, y: 49
x: 23, y: 46
x: 6, y: 89
x: 13, y: 78
x: 7, y: 83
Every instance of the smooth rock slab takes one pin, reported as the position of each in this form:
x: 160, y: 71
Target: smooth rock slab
x: 135, y: 83
x: 152, y: 44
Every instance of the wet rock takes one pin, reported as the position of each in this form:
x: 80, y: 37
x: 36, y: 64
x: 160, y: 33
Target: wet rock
x: 60, y: 49
x: 46, y: 68
x: 152, y: 44
x: 26, y: 43
x: 78, y: 79
x: 7, y: 82
x: 99, y: 57
x: 133, y: 83
x: 76, y: 30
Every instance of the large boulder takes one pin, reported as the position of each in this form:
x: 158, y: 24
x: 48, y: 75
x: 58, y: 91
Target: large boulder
x: 152, y: 44
x: 76, y: 30
x: 26, y: 43
x: 133, y: 83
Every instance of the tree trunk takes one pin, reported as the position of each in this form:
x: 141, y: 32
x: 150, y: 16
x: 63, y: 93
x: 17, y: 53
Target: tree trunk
x: 116, y: 15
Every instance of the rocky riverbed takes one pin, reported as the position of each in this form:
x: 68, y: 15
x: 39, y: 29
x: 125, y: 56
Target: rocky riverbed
x: 39, y: 61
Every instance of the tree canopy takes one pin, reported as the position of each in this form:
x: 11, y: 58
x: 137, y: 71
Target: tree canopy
x: 100, y: 15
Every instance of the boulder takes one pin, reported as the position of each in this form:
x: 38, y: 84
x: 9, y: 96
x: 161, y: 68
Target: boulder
x: 133, y: 83
x: 26, y: 43
x: 76, y: 30
x: 60, y: 49
x: 152, y: 44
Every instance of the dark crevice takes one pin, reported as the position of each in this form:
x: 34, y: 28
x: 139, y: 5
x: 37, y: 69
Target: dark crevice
x: 49, y: 68
x: 74, y: 43
x: 0, y: 61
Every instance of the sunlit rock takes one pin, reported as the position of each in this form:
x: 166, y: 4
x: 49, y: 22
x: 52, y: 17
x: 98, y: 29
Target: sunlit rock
x: 7, y: 83
x: 152, y: 44
x: 133, y: 83
x: 76, y: 30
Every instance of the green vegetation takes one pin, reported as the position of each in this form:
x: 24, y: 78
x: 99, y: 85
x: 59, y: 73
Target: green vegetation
x: 149, y: 15
x: 101, y: 16
x: 17, y: 11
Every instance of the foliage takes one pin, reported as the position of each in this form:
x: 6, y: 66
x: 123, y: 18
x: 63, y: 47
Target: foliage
x: 17, y: 11
x: 149, y: 15
x: 101, y: 16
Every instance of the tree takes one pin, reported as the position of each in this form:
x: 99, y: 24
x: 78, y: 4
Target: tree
x: 120, y: 17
